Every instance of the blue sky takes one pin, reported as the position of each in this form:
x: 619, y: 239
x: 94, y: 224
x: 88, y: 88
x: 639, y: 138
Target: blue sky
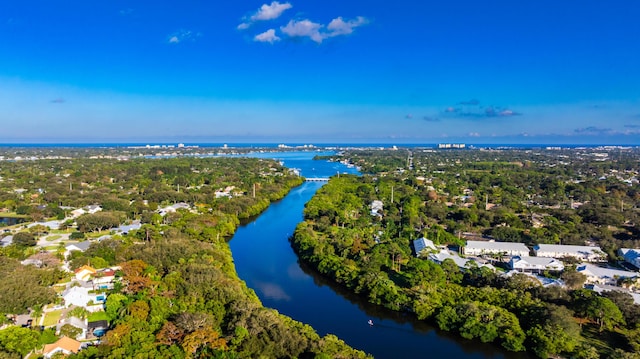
x: 320, y: 71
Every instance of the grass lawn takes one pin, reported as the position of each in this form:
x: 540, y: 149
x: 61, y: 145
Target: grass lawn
x: 51, y: 318
x: 51, y: 248
x: 97, y: 316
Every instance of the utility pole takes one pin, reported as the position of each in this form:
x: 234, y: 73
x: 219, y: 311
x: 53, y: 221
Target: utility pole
x: 391, y: 194
x: 254, y: 190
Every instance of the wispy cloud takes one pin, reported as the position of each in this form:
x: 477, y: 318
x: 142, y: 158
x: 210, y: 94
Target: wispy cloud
x: 472, y: 109
x: 472, y: 102
x: 318, y: 32
x: 182, y: 36
x: 430, y: 119
x: 58, y: 100
x: 267, y: 36
x: 303, y: 28
x: 592, y: 130
x: 338, y: 26
x: 266, y: 12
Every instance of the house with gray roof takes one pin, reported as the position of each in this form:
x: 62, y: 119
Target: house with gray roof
x: 631, y: 256
x: 492, y: 247
x: 421, y: 244
x: 603, y: 275
x: 535, y: 264
x: 583, y: 253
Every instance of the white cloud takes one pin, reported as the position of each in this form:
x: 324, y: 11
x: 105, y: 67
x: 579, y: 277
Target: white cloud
x: 304, y: 28
x: 338, y: 26
x: 267, y: 36
x: 317, y: 32
x: 266, y: 12
x: 183, y: 35
x: 270, y: 12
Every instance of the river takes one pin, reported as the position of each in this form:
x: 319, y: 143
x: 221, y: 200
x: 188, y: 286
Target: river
x: 265, y: 260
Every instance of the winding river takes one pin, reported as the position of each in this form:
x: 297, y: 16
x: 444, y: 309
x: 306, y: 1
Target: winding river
x: 265, y: 260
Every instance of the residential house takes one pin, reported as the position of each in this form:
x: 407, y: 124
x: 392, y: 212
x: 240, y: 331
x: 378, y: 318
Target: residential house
x: 125, y: 229
x: 376, y: 208
x: 583, y: 253
x: 75, y: 322
x: 103, y: 279
x: 599, y: 288
x: 173, y: 208
x: 77, y: 212
x: 80, y: 246
x: 535, y: 264
x: 94, y: 208
x: 85, y: 273
x: 80, y: 297
x: 631, y: 256
x: 462, y: 263
x: 493, y: 247
x: 601, y: 275
x: 64, y: 345
x: 423, y: 243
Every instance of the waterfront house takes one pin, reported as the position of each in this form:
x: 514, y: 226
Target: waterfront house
x: 583, y: 253
x: 602, y: 275
x: 535, y: 264
x: 462, y: 263
x: 492, y: 247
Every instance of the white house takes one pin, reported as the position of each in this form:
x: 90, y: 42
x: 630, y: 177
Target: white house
x: 173, y: 208
x: 585, y: 253
x: 492, y: 247
x: 77, y: 296
x: 80, y: 246
x: 64, y: 345
x: 603, y: 275
x: 462, y: 263
x: 77, y: 212
x: 423, y: 243
x: 93, y: 208
x: 631, y: 256
x: 80, y: 296
x: 75, y: 322
x: 376, y: 207
x: 535, y: 264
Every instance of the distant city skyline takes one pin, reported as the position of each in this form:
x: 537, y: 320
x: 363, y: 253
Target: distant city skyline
x: 540, y: 72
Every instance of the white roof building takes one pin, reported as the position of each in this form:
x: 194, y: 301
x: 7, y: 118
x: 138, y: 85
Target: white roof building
x: 585, y: 253
x: 423, y: 243
x: 603, y: 275
x: 376, y: 207
x: 492, y: 247
x: 459, y: 261
x: 535, y: 264
x: 631, y: 256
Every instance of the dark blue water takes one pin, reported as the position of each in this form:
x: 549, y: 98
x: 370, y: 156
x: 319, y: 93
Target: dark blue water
x: 265, y: 260
x: 9, y: 221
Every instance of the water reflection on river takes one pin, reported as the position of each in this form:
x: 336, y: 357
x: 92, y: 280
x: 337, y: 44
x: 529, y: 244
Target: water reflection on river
x: 265, y: 260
